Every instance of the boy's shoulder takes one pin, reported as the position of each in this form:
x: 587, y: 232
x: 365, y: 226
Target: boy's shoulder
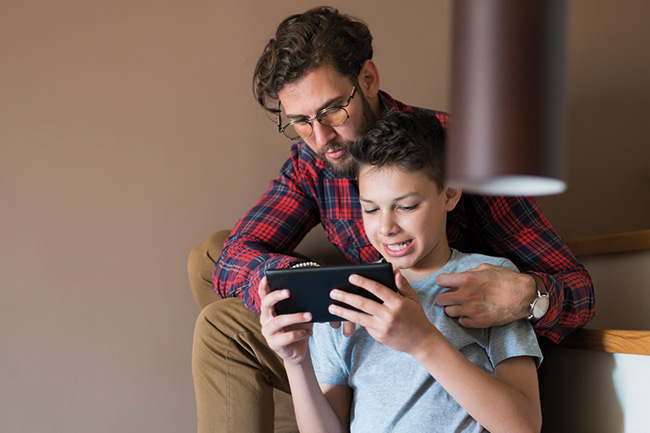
x: 465, y: 261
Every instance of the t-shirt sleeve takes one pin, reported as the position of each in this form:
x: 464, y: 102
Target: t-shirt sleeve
x: 513, y: 340
x: 329, y: 364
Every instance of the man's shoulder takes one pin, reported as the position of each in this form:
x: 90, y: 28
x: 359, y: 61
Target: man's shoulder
x: 390, y: 103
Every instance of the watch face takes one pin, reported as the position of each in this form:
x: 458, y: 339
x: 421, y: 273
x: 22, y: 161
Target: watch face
x: 541, y: 307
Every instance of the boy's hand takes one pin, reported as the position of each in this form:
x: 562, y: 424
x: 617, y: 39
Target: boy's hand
x: 400, y: 322
x: 349, y: 328
x: 286, y: 334
x: 486, y: 296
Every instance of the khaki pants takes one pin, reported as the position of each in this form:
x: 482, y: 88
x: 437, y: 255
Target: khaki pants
x: 240, y: 383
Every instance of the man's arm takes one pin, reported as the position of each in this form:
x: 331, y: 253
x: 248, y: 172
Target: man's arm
x: 515, y: 228
x: 265, y: 236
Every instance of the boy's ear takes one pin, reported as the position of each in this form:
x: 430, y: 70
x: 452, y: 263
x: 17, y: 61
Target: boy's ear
x: 453, y: 194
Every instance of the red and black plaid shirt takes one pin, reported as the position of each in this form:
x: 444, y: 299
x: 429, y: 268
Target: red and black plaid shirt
x: 307, y: 193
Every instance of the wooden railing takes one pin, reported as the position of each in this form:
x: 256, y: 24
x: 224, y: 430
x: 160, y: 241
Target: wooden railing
x: 608, y: 244
x: 636, y: 342
x: 609, y: 340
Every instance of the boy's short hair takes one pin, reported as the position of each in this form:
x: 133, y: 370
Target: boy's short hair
x: 411, y: 140
x: 302, y: 43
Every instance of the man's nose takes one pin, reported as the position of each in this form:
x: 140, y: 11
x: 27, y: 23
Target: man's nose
x: 322, y: 134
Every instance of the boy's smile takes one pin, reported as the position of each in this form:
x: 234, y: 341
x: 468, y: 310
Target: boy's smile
x: 398, y: 249
x: 404, y: 215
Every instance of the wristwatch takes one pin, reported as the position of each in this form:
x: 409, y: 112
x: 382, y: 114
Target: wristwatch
x: 540, y: 305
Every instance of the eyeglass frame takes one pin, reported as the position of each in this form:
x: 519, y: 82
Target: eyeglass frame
x: 343, y: 107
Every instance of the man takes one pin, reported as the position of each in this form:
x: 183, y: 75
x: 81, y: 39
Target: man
x: 318, y: 71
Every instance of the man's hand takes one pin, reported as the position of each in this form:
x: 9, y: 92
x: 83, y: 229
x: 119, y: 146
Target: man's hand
x: 487, y: 296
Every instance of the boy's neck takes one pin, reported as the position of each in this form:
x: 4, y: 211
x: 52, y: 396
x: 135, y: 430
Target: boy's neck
x: 438, y: 261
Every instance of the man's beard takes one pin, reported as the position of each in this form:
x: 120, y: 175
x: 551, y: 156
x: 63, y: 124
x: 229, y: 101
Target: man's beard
x: 347, y: 166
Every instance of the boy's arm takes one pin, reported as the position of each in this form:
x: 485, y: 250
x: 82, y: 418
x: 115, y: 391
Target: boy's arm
x: 507, y: 403
x: 320, y: 408
x: 288, y: 335
x: 515, y: 227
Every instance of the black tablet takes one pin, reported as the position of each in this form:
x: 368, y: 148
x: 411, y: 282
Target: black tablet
x: 310, y: 287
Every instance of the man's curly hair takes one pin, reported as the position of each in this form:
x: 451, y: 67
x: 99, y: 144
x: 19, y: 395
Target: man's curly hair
x: 411, y: 140
x: 302, y: 43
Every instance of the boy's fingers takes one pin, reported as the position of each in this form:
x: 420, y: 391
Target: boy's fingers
x: 351, y: 316
x: 263, y: 288
x: 403, y: 286
x: 349, y: 328
x: 357, y: 301
x: 377, y: 289
x: 283, y: 321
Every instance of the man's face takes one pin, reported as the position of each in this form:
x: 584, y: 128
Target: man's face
x: 404, y: 216
x: 325, y: 87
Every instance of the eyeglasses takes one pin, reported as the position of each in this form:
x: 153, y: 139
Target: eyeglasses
x: 336, y: 115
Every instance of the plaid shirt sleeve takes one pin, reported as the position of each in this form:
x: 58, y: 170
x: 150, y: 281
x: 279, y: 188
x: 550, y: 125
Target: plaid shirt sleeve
x: 514, y: 227
x: 265, y: 236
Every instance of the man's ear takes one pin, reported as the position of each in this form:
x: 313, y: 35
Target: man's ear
x: 453, y: 194
x: 369, y: 79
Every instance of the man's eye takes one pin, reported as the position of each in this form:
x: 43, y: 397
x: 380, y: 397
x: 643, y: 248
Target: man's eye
x: 329, y: 110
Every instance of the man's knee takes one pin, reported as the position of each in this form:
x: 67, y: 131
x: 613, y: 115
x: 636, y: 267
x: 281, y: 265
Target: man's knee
x: 222, y: 318
x: 200, y: 266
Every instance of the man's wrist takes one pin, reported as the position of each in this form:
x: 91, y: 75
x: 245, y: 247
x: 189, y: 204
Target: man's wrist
x: 540, y: 303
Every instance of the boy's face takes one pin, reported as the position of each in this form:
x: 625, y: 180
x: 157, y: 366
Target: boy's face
x: 321, y: 88
x: 404, y: 215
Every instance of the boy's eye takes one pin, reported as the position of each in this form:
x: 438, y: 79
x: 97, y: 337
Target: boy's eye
x: 408, y: 208
x: 369, y: 211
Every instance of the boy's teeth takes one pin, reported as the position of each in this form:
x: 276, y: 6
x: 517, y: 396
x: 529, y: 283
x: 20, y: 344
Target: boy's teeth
x: 397, y: 247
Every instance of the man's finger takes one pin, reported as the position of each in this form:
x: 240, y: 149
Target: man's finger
x: 450, y: 297
x: 449, y: 280
x: 460, y: 279
x: 455, y: 311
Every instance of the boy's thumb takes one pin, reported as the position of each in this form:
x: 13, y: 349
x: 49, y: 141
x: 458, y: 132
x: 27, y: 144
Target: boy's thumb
x: 402, y: 285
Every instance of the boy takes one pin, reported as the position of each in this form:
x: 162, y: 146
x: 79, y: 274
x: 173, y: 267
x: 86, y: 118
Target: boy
x: 408, y: 367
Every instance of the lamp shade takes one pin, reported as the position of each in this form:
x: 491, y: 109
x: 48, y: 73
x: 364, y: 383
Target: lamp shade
x: 507, y: 128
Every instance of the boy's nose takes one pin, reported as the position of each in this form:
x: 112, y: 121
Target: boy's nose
x: 388, y: 226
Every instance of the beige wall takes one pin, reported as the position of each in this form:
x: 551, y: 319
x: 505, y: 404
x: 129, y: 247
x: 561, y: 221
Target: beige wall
x: 608, y: 102
x: 128, y: 133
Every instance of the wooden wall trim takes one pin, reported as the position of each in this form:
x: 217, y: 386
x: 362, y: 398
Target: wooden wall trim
x: 615, y: 243
x: 609, y: 340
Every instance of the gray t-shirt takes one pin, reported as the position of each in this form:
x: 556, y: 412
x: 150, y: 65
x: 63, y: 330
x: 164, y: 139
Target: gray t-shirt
x: 392, y: 392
